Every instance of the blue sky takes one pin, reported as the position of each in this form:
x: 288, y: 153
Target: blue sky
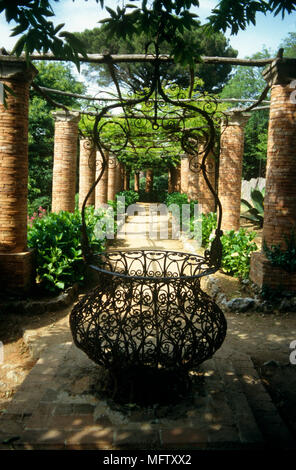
x: 81, y: 15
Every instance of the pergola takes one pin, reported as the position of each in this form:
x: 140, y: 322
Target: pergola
x: 16, y: 262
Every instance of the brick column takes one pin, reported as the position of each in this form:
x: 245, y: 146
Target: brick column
x: 149, y: 180
x: 101, y: 191
x: 205, y: 196
x: 184, y: 174
x: 137, y: 181
x: 112, y: 173
x: 16, y: 272
x: 230, y: 169
x: 280, y: 186
x: 65, y: 161
x: 174, y: 179
x: 87, y: 171
x: 120, y: 177
x: 192, y: 175
x: 126, y: 178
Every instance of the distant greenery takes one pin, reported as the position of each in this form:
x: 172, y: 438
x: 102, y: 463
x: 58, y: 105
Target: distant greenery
x: 181, y: 199
x: 137, y: 76
x: 130, y: 197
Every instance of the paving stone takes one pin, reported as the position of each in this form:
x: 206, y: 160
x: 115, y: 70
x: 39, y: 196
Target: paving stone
x: 92, y: 437
x: 37, y: 421
x: 136, y: 438
x: 83, y: 408
x: 46, y: 440
x: 180, y: 437
x: 70, y: 421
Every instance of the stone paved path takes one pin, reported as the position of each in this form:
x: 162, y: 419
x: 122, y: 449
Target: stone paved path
x: 56, y: 406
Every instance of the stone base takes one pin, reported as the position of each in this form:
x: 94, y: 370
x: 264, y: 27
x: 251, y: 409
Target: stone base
x: 263, y: 273
x: 16, y: 273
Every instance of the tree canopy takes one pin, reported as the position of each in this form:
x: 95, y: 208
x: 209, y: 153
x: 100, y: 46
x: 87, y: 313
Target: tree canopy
x: 138, y: 75
x: 161, y: 19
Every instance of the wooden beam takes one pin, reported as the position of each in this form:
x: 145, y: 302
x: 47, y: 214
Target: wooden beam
x: 132, y: 58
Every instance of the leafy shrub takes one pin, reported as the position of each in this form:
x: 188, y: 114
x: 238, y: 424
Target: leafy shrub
x: 41, y: 212
x: 179, y: 199
x: 56, y: 238
x: 160, y: 187
x: 237, y: 247
x: 209, y: 223
x: 284, y: 259
x: 131, y: 197
x: 34, y: 206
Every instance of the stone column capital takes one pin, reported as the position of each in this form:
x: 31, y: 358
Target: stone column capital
x: 235, y: 118
x: 280, y: 72
x: 12, y: 68
x: 66, y: 116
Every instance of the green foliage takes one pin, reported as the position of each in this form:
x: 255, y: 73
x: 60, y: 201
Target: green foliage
x: 38, y: 33
x: 131, y: 197
x: 284, y: 259
x: 254, y: 212
x: 209, y: 223
x: 160, y: 187
x: 237, y: 247
x: 239, y: 14
x: 56, y: 238
x: 164, y: 20
x: 289, y: 45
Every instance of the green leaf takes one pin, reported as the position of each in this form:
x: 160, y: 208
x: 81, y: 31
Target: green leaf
x: 19, y: 46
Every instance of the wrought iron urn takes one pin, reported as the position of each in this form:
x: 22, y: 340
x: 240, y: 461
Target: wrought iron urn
x: 149, y: 311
